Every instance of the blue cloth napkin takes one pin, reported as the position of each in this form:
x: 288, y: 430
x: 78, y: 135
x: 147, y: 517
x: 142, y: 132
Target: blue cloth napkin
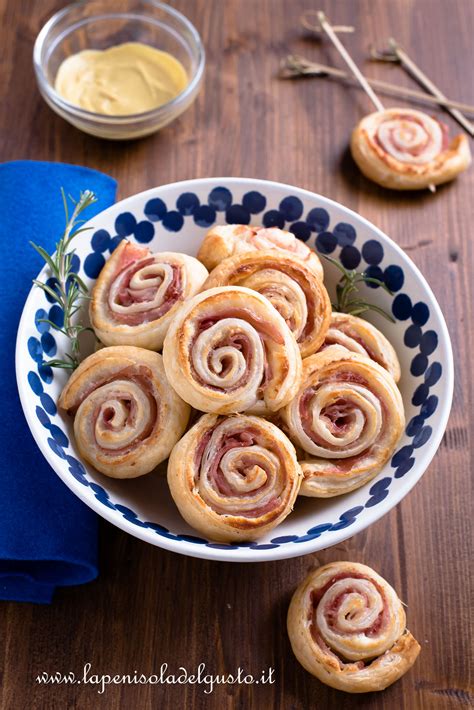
x: 48, y: 537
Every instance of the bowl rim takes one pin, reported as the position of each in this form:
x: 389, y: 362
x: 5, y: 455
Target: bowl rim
x: 285, y: 551
x: 72, y: 109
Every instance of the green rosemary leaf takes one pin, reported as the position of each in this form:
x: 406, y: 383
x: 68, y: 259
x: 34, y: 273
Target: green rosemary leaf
x: 44, y: 254
x: 51, y: 292
x: 71, y: 295
x: 362, y: 307
x: 66, y: 211
x: 53, y: 325
x: 71, y: 289
x: 347, y: 288
x: 62, y: 364
x: 82, y: 229
x: 382, y: 312
x: 68, y: 260
x: 335, y: 263
x: 371, y: 280
x: 82, y: 286
x: 357, y: 311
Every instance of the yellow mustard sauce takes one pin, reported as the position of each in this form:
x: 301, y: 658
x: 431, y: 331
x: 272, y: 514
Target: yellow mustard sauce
x: 122, y: 80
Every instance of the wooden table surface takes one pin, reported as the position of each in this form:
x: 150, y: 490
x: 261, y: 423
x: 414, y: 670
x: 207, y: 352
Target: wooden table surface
x: 149, y: 606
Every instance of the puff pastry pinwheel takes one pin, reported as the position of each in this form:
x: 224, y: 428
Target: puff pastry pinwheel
x: 293, y: 289
x: 138, y: 294
x: 228, y: 350
x: 347, y: 627
x: 235, y: 477
x: 361, y: 337
x: 346, y: 418
x: 127, y: 418
x: 227, y: 240
x: 404, y: 149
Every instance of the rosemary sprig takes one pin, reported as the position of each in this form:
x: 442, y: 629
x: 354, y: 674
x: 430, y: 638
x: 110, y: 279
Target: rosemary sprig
x: 348, y: 300
x: 69, y: 289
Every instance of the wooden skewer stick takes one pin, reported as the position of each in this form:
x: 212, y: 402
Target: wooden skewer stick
x: 399, y: 54
x: 295, y: 66
x: 316, y: 27
x: 349, y: 61
x: 354, y: 68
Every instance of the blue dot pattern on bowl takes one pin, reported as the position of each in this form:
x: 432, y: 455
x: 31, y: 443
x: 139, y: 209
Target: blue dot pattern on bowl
x: 288, y: 215
x: 187, y: 203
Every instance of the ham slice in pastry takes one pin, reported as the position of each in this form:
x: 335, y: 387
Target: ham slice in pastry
x: 359, y: 336
x: 228, y: 350
x: 138, y: 294
x: 127, y: 418
x: 234, y: 478
x: 346, y: 420
x: 227, y: 240
x: 404, y: 149
x: 290, y: 285
x: 347, y: 627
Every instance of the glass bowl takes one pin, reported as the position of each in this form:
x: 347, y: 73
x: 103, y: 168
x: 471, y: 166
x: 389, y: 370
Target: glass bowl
x: 99, y: 24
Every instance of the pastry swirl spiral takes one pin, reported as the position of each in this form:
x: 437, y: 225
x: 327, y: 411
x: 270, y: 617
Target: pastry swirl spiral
x: 138, y: 294
x: 228, y: 350
x: 223, y: 241
x: 404, y: 149
x: 360, y: 336
x: 347, y: 627
x: 127, y: 418
x: 235, y: 477
x: 290, y: 286
x: 346, y: 418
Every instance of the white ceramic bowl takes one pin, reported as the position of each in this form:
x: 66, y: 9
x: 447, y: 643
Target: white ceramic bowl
x: 175, y: 218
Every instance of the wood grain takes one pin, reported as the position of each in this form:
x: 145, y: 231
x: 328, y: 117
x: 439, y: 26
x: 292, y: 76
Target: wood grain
x: 150, y: 606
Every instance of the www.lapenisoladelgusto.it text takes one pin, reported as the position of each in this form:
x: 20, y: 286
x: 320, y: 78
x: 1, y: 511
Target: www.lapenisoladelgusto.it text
x: 182, y: 676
